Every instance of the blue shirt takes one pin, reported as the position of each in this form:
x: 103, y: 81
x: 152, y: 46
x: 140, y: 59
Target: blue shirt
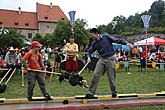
x: 104, y: 46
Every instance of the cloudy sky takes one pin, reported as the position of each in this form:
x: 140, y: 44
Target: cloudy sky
x: 95, y: 12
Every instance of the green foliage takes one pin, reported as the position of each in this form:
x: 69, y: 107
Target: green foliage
x: 81, y: 34
x: 157, y: 30
x: 136, y: 82
x: 11, y: 37
x: 157, y: 13
x: 118, y: 23
x: 63, y: 31
x: 43, y: 40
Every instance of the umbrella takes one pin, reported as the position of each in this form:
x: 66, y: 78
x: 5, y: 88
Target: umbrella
x: 120, y: 47
x: 150, y: 41
x: 125, y: 48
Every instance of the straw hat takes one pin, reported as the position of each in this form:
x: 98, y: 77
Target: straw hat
x: 11, y: 49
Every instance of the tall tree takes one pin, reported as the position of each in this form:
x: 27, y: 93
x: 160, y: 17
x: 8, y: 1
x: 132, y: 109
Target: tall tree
x: 38, y: 37
x: 11, y: 37
x: 63, y: 31
x: 157, y: 12
x: 118, y: 24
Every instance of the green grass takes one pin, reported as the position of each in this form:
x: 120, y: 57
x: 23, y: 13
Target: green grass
x: 136, y: 82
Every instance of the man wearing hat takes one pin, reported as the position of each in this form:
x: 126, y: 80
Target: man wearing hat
x: 34, y: 59
x: 11, y: 58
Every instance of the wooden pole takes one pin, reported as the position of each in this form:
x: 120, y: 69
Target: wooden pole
x: 146, y: 70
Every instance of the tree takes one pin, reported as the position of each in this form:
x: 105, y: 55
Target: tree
x: 38, y: 37
x: 118, y: 23
x: 81, y: 34
x: 134, y: 25
x: 11, y: 37
x: 157, y: 12
x: 63, y: 31
x: 103, y: 29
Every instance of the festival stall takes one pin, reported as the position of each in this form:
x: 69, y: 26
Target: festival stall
x: 150, y: 41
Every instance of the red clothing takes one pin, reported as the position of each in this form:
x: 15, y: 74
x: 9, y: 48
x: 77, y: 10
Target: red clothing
x: 159, y: 57
x: 71, y: 65
x: 144, y: 54
x: 1, y: 62
x: 34, y: 59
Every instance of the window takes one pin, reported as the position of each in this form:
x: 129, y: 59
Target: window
x: 47, y: 26
x: 1, y: 24
x: 29, y: 35
x: 63, y: 18
x: 46, y: 17
x: 26, y: 24
x: 16, y: 23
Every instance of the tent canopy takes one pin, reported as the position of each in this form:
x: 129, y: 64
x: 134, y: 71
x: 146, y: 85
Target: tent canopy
x: 151, y: 41
x: 121, y: 47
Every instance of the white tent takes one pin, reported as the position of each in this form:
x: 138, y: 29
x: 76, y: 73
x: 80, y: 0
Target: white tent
x: 26, y: 42
x: 150, y: 41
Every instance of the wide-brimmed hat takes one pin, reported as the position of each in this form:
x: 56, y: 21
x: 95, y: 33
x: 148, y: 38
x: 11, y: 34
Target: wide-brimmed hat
x: 11, y: 49
x: 42, y: 50
x: 22, y: 50
x: 16, y: 49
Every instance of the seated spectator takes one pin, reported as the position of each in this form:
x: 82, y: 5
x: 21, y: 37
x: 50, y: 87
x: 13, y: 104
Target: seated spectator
x: 126, y: 56
x: 19, y: 57
x: 160, y: 58
x: 1, y: 62
x: 152, y: 57
x: 118, y: 56
x: 122, y: 57
x: 11, y: 58
x: 44, y: 57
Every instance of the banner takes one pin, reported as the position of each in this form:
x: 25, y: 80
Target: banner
x: 72, y: 17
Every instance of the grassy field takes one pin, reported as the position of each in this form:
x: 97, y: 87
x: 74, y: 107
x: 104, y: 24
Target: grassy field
x: 136, y: 82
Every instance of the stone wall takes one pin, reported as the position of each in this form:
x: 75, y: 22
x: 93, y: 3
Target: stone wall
x: 28, y: 33
x: 45, y: 27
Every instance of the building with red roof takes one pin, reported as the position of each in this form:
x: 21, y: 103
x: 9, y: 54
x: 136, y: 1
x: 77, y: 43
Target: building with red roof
x: 42, y: 21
